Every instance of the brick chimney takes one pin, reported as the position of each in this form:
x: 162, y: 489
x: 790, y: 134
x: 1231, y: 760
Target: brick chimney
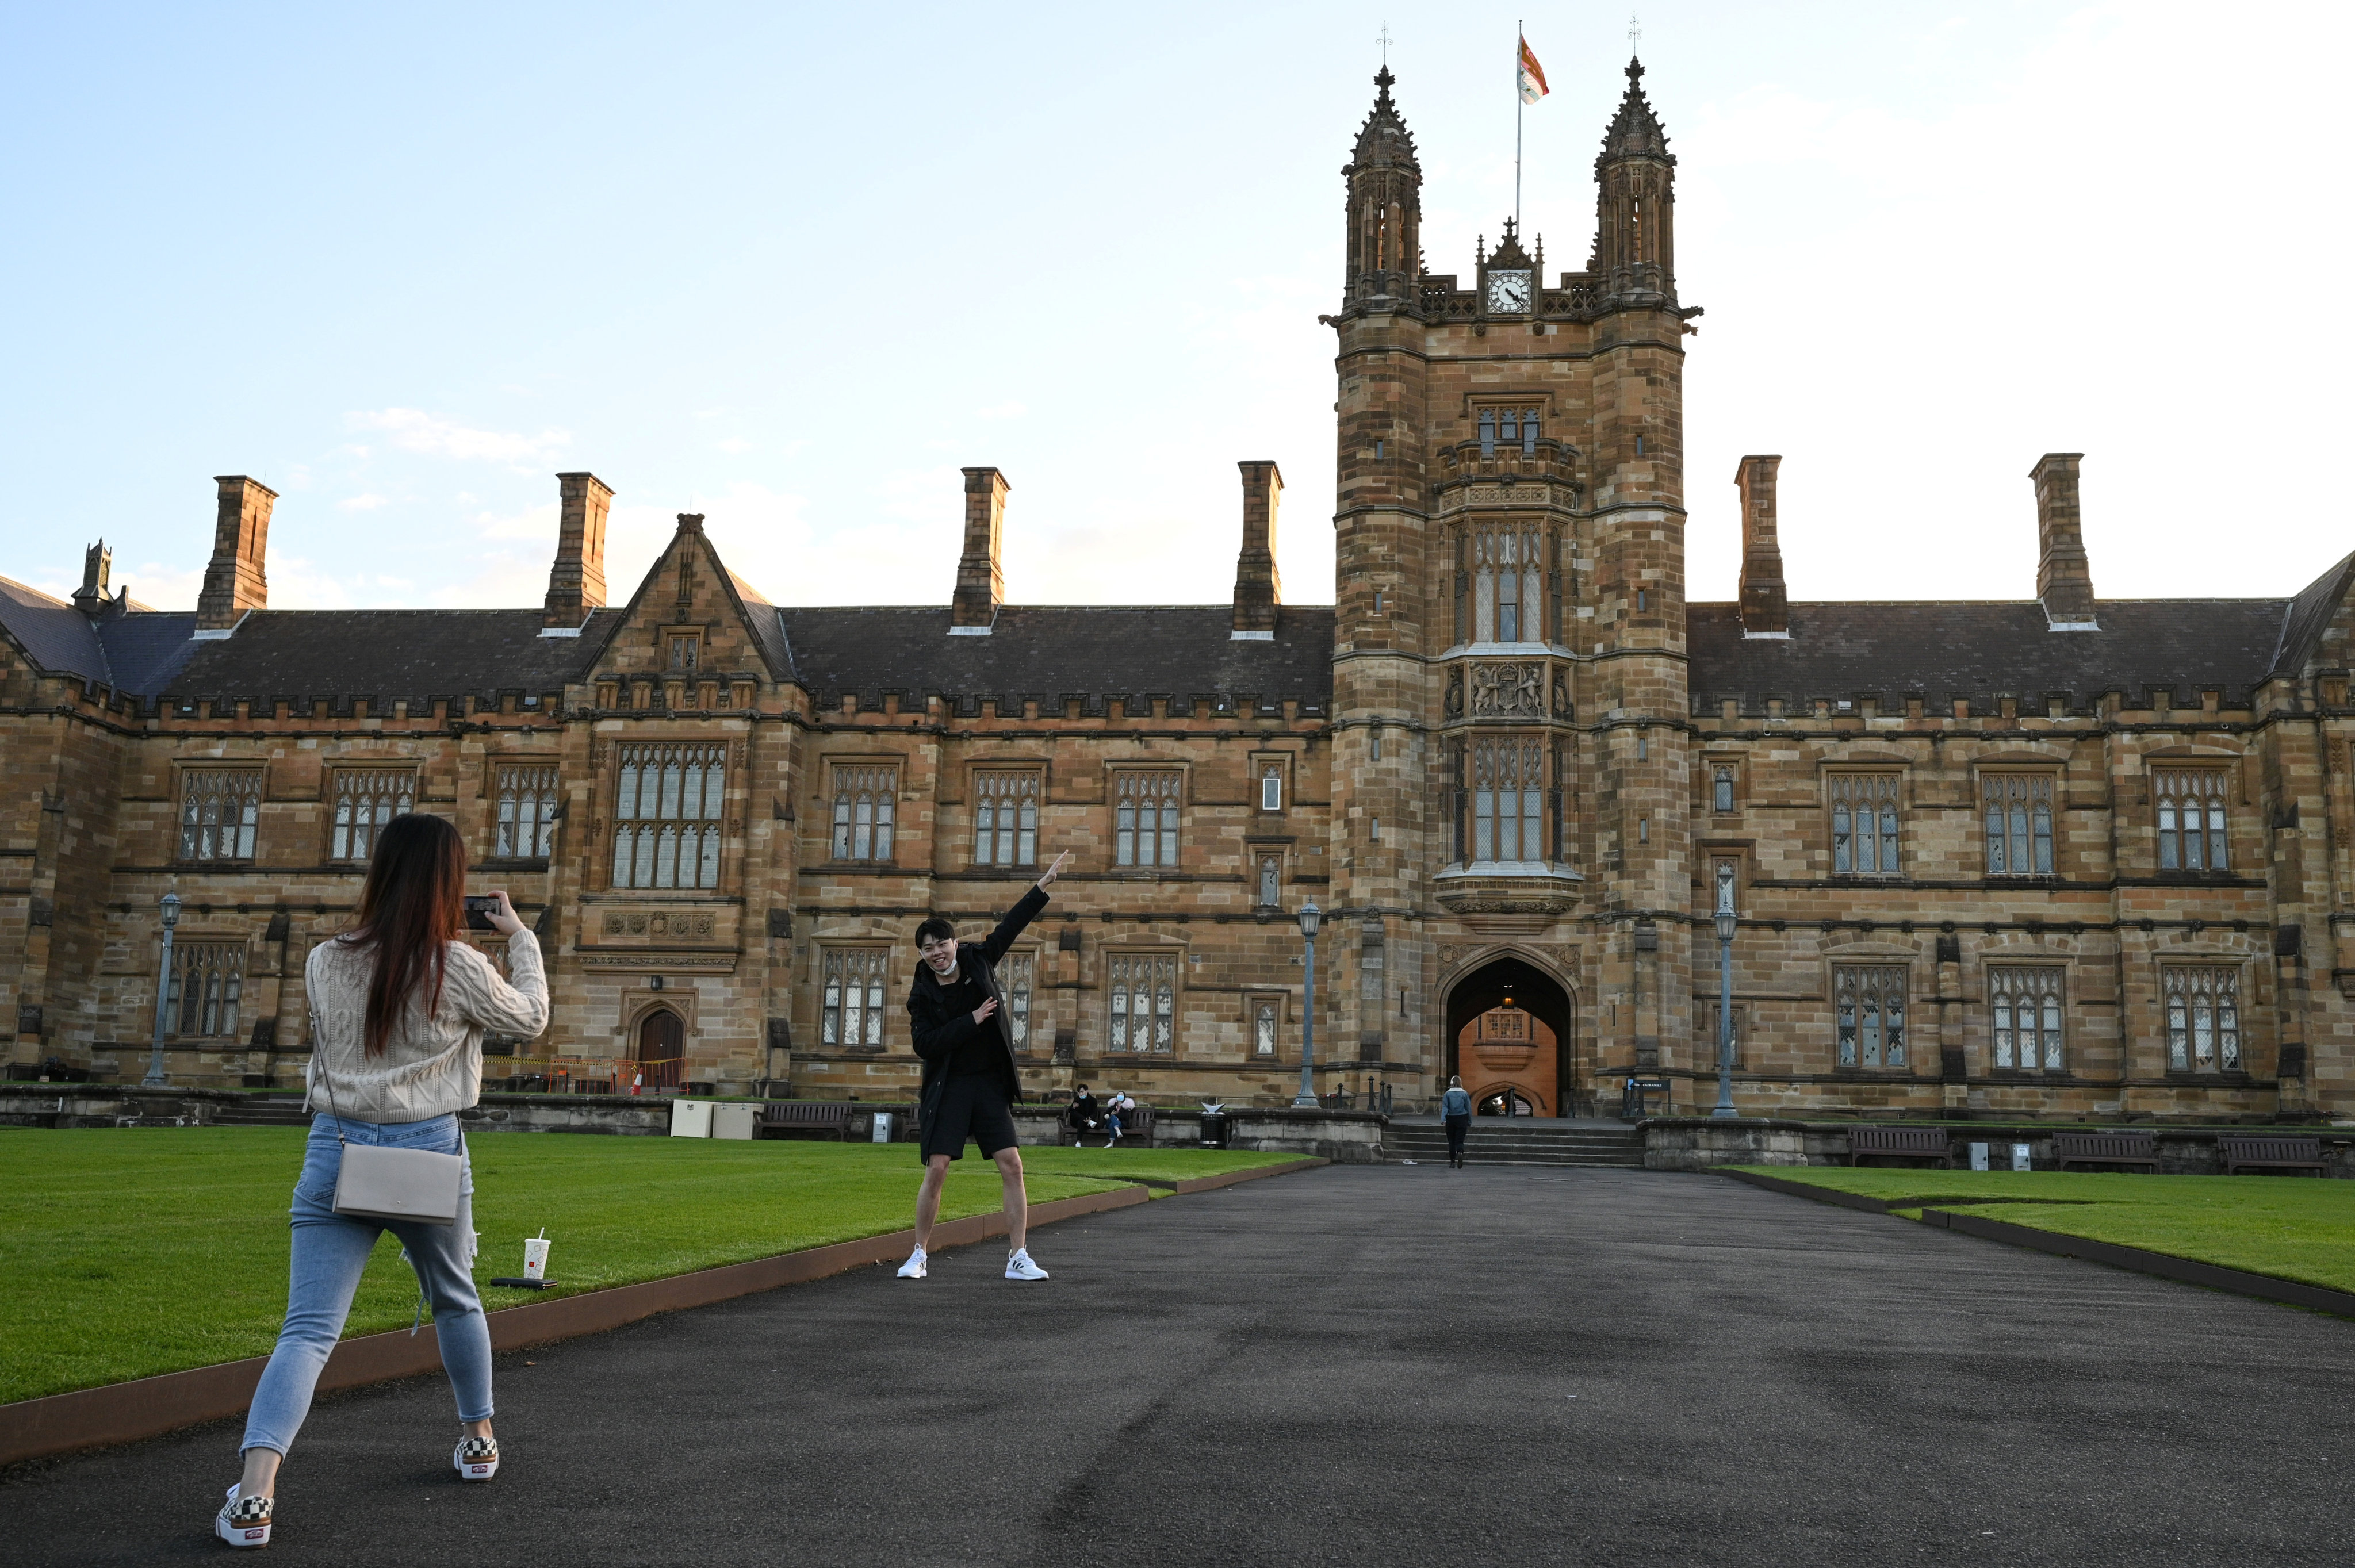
x: 1765, y: 606
x: 97, y: 566
x: 2064, y: 578
x: 1257, y: 591
x: 980, y: 585
x: 234, y: 582
x: 576, y: 583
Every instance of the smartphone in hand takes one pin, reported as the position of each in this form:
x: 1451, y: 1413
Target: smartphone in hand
x: 479, y: 909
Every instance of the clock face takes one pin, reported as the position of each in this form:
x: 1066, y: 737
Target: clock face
x: 1509, y: 292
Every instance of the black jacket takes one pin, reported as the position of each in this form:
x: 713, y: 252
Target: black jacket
x: 941, y: 1026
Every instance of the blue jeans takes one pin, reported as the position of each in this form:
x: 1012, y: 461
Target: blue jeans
x: 330, y: 1252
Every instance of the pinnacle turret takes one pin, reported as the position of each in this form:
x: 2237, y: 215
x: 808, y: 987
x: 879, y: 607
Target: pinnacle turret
x: 1636, y: 132
x: 1384, y: 138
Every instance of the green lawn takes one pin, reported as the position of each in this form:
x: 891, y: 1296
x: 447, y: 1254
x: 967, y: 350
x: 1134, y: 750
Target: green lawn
x: 128, y: 1253
x: 2288, y: 1227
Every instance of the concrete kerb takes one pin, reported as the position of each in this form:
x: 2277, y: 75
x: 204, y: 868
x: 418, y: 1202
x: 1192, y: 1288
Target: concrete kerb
x: 149, y: 1407
x: 2140, y: 1260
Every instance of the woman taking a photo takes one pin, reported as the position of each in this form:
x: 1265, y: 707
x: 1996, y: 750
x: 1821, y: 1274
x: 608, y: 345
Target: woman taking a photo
x: 399, y: 1008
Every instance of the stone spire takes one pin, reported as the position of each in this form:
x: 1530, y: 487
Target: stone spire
x: 1636, y: 132
x: 1635, y: 213
x: 1385, y: 210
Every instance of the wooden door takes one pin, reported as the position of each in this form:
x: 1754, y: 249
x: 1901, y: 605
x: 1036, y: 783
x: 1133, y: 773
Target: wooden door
x: 662, y: 1045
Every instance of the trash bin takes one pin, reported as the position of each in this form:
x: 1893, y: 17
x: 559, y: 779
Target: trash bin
x: 882, y: 1133
x: 1214, y: 1129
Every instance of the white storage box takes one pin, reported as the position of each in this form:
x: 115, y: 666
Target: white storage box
x: 734, y: 1119
x: 690, y: 1118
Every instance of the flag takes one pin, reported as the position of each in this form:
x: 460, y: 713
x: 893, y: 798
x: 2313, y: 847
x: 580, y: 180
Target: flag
x: 1531, y: 75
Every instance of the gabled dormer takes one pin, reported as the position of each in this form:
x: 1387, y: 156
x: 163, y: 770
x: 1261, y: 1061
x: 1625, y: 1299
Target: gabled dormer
x: 695, y: 637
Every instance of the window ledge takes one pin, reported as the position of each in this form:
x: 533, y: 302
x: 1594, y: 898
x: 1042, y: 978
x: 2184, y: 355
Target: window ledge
x: 514, y: 863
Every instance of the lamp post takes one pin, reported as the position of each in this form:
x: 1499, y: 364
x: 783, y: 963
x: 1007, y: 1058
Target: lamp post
x: 1725, y: 923
x: 1310, y: 915
x: 155, y: 1078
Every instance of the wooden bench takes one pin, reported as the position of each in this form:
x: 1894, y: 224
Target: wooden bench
x: 780, y: 1119
x: 1919, y: 1143
x: 2273, y: 1153
x: 1135, y: 1127
x: 2104, y: 1148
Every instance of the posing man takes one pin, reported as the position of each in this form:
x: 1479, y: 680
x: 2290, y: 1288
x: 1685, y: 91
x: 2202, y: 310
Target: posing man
x: 969, y: 1076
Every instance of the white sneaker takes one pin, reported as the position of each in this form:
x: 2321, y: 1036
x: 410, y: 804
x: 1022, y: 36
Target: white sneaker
x: 243, y: 1524
x: 914, y: 1267
x: 477, y: 1458
x: 1019, y: 1266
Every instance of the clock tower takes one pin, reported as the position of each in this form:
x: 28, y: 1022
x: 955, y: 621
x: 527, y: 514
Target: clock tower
x: 1509, y: 711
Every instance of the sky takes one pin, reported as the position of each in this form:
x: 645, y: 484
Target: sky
x: 792, y: 266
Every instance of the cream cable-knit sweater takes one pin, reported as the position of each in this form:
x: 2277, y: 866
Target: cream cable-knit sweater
x: 430, y: 1066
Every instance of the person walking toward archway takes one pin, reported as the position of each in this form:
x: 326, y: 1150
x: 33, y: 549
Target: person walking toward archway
x: 399, y: 1008
x: 1456, y: 1112
x: 970, y: 1081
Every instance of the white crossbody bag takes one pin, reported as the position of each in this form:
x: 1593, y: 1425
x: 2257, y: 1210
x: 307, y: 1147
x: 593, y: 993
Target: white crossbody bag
x: 380, y: 1183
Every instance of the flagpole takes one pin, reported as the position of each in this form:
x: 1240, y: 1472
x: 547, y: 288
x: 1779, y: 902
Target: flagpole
x: 1519, y: 104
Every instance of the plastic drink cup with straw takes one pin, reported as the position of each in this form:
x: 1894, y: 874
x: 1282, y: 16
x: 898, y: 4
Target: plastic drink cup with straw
x: 535, y: 1256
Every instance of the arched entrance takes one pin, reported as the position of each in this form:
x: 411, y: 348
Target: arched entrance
x: 661, y: 1050
x: 1509, y: 1038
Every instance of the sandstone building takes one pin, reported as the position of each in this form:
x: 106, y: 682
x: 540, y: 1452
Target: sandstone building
x: 2054, y: 857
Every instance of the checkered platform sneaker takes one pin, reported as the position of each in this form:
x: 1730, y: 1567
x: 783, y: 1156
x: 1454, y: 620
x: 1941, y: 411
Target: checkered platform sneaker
x: 477, y: 1458
x: 243, y: 1522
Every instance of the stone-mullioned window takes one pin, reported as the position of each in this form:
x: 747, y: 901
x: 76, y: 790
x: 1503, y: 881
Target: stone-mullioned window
x: 1271, y: 880
x: 219, y: 809
x: 1145, y: 819
x: 1864, y: 824
x: 863, y: 802
x: 2190, y: 805
x: 853, y: 1011
x: 208, y: 982
x: 526, y: 811
x: 366, y: 799
x: 2024, y: 1007
x: 667, y: 809
x: 1511, y: 428
x: 1143, y: 989
x: 1870, y: 1002
x: 1018, y: 982
x: 1508, y: 790
x: 2203, y: 1017
x: 1263, y: 1028
x: 2017, y: 811
x: 1006, y: 818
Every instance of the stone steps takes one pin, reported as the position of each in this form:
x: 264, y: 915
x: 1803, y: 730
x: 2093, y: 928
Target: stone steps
x: 1498, y: 1142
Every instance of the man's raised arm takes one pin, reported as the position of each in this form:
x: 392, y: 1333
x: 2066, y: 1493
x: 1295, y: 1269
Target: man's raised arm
x: 1022, y: 914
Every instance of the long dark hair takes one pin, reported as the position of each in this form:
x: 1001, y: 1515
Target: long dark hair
x: 411, y: 908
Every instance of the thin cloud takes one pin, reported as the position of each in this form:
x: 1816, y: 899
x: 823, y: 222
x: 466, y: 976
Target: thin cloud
x: 369, y: 503
x: 413, y: 430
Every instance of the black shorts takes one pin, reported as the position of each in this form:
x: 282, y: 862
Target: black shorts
x: 972, y: 1108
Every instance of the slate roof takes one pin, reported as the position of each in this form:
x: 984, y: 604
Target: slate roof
x: 130, y: 652
x: 1942, y: 650
x: 384, y: 654
x: 1051, y: 651
x: 1046, y: 652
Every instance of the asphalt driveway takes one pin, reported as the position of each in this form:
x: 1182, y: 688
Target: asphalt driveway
x: 1399, y: 1365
